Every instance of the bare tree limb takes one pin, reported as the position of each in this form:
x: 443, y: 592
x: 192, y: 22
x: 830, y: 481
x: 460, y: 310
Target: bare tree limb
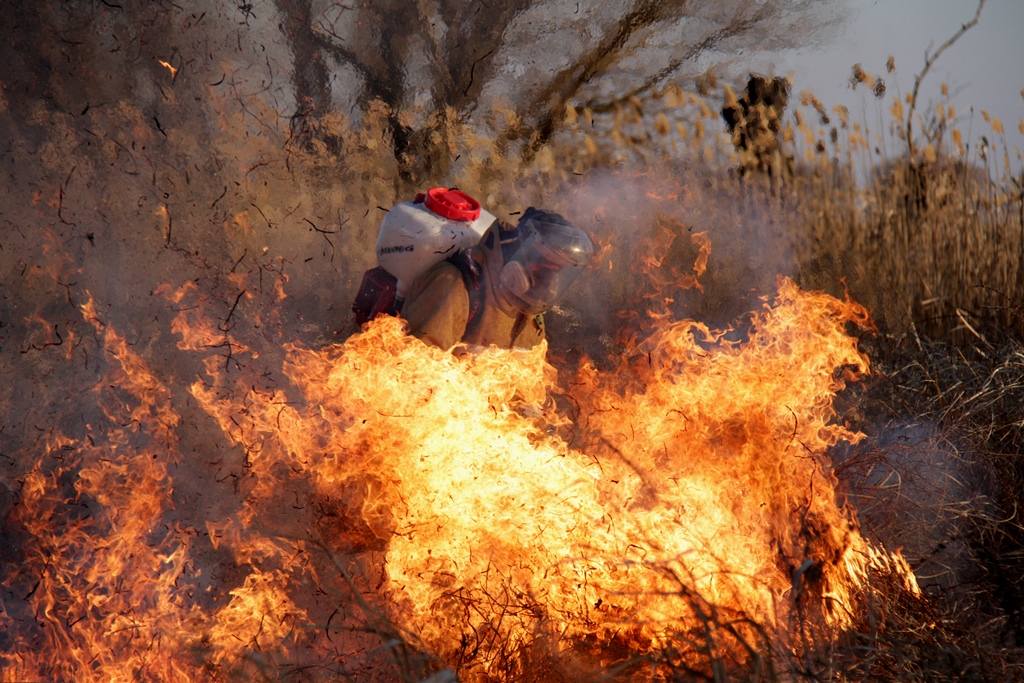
x: 929, y: 61
x: 732, y: 30
x: 566, y: 84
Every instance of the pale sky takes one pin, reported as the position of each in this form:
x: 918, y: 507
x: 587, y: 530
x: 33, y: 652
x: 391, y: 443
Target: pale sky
x: 983, y: 69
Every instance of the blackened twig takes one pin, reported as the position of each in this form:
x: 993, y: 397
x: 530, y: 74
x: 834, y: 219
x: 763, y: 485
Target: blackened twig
x: 224, y: 327
x: 220, y: 197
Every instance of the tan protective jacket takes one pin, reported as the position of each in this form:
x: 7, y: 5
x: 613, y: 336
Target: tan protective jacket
x: 437, y: 307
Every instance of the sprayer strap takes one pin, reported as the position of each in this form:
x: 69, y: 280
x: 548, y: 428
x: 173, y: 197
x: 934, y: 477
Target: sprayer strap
x: 471, y: 272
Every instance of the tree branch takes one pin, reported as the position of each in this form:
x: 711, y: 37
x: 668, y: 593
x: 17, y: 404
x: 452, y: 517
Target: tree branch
x: 566, y: 84
x: 730, y: 31
x: 929, y: 61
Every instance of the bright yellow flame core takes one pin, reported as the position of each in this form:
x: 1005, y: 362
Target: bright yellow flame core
x: 696, y: 479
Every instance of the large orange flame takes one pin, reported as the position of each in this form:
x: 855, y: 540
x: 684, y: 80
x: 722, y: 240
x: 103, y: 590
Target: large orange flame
x: 681, y: 501
x: 692, y: 483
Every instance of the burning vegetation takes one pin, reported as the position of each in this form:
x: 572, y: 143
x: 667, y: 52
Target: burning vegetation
x: 682, y: 511
x: 722, y: 466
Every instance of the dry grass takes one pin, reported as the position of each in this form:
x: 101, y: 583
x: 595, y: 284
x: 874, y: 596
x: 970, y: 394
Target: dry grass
x: 932, y: 242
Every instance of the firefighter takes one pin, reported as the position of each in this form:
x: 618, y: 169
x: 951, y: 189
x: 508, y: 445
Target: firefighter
x: 496, y: 292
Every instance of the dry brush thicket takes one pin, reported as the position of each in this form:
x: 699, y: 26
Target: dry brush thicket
x: 216, y: 178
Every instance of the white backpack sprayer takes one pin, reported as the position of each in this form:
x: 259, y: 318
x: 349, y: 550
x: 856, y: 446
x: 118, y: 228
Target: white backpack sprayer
x: 414, y: 236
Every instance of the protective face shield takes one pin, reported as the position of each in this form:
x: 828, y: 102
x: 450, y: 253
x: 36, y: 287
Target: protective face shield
x: 550, y: 258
